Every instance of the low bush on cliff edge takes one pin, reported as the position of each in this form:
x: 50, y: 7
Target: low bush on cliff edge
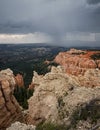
x: 86, y: 112
x: 50, y: 126
x: 96, y: 56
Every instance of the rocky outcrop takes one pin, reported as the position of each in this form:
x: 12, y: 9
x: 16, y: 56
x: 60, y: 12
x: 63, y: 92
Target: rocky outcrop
x: 91, y: 78
x: 21, y: 126
x: 71, y: 99
x: 19, y: 80
x: 10, y: 110
x: 58, y: 97
x: 77, y: 62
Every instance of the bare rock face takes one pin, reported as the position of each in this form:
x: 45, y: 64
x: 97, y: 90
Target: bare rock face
x: 91, y: 78
x: 21, y: 126
x: 10, y: 110
x: 58, y: 95
x: 77, y: 62
x: 19, y: 80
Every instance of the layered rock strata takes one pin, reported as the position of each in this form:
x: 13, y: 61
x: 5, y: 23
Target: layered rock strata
x: 77, y: 62
x: 10, y: 110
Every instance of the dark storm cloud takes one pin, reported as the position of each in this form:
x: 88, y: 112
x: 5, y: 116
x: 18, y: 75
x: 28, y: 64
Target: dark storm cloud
x: 93, y: 1
x: 54, y: 17
x: 42, y: 15
x: 14, y: 27
x: 94, y: 15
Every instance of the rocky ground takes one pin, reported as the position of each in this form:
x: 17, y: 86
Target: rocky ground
x: 60, y: 99
x: 21, y: 126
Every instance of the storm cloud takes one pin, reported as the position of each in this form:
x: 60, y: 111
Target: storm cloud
x: 56, y: 19
x: 93, y: 1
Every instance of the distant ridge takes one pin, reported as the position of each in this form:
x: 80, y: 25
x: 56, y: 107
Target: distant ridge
x: 82, y: 47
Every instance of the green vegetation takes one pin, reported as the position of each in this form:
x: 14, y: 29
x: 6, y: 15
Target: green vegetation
x: 96, y: 56
x: 61, y: 102
x: 53, y: 64
x: 65, y: 94
x: 83, y: 53
x: 87, y: 112
x: 61, y: 109
x: 22, y: 95
x: 50, y: 126
x: 24, y: 59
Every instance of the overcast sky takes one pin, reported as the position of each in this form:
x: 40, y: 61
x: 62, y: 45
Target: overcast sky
x: 50, y: 21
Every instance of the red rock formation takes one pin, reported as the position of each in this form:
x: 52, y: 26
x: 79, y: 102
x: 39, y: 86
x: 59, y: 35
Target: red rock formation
x: 10, y: 110
x: 19, y: 80
x: 76, y: 61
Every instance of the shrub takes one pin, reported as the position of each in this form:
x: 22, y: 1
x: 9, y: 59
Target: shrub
x: 50, y: 126
x: 89, y: 111
x: 96, y: 56
x: 22, y: 95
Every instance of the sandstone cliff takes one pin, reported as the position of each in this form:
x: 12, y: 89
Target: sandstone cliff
x: 77, y: 62
x: 19, y: 80
x: 10, y: 110
x: 59, y: 96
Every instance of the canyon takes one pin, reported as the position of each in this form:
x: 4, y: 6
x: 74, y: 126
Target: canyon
x: 68, y: 95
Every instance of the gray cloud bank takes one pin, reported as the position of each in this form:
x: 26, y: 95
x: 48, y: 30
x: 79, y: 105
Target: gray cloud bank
x: 52, y: 17
x: 93, y: 1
